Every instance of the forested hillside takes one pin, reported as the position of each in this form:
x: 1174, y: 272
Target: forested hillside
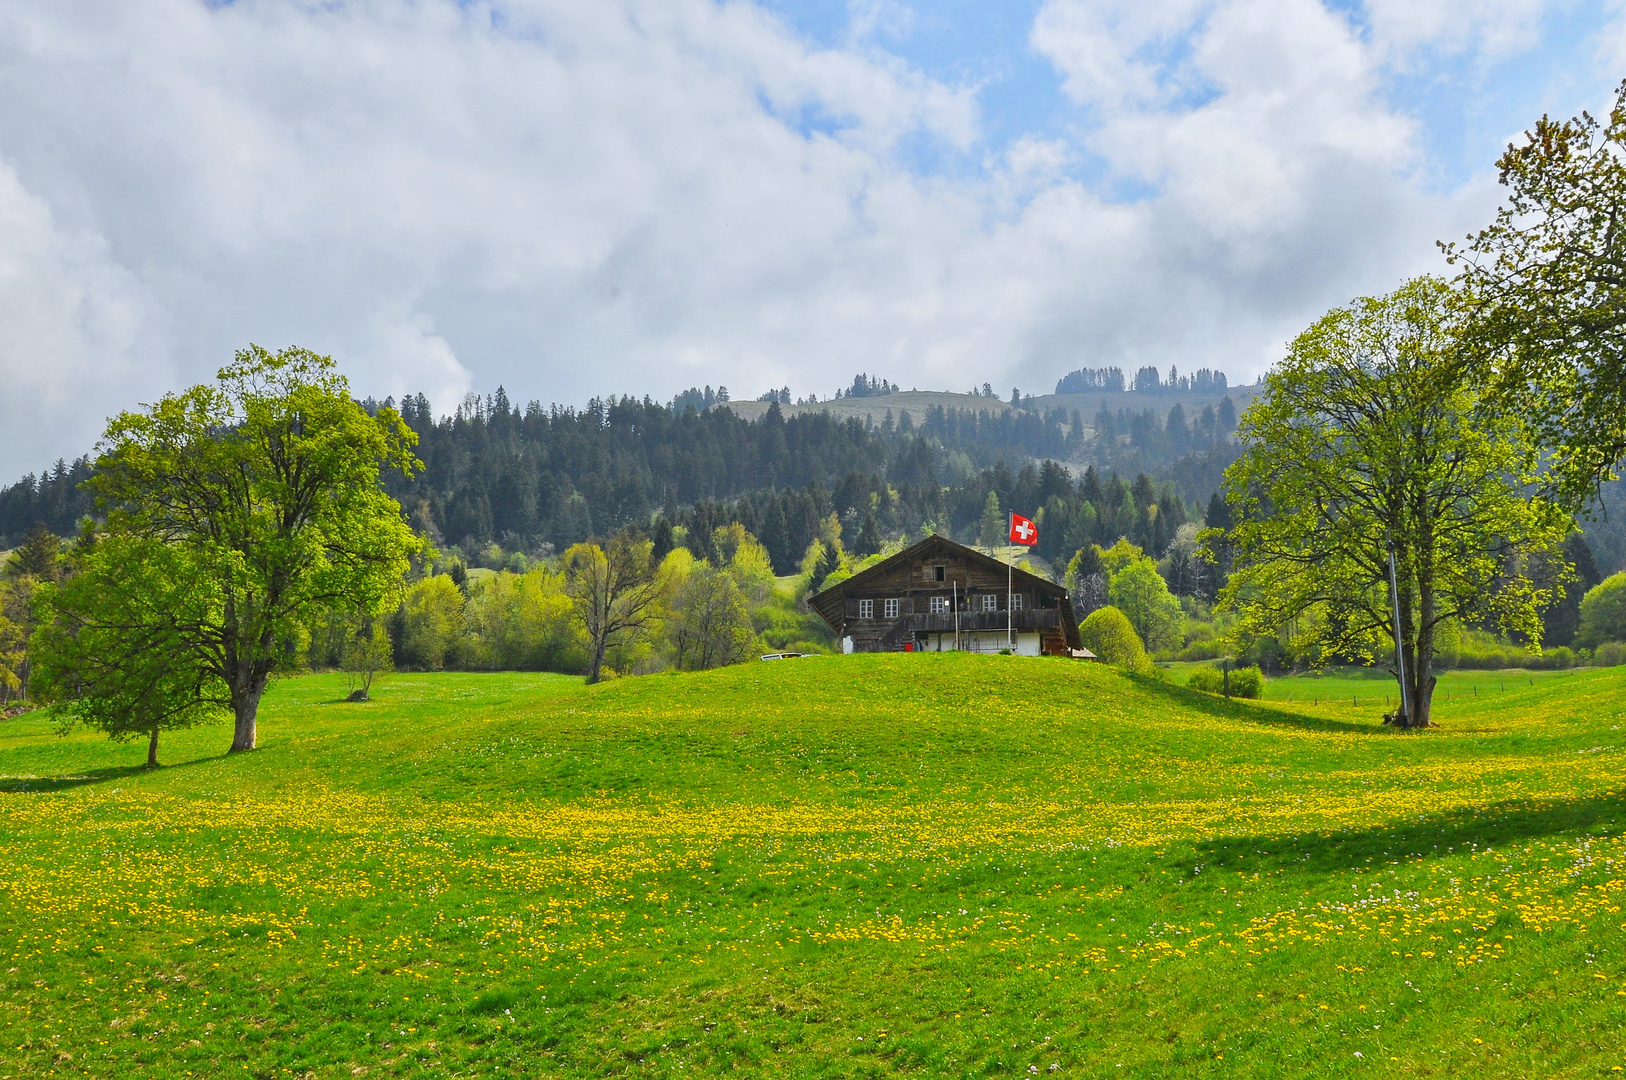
x: 525, y: 478
x: 534, y: 478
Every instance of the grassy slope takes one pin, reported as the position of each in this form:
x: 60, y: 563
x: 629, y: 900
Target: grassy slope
x: 946, y: 865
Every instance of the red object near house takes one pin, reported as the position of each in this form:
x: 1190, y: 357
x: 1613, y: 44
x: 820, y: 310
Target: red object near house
x: 1023, y: 531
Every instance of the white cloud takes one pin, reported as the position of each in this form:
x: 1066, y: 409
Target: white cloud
x: 638, y: 195
x: 1108, y: 51
x: 74, y: 333
x: 1490, y: 28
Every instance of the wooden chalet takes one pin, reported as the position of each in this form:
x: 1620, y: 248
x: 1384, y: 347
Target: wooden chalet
x: 939, y: 596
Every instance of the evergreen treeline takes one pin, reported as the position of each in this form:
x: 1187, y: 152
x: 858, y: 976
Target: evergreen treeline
x: 1093, y: 510
x: 521, y: 479
x: 532, y: 479
x: 1092, y: 381
x: 54, y: 499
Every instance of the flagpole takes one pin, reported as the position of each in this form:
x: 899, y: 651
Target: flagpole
x: 956, y: 588
x: 1010, y: 635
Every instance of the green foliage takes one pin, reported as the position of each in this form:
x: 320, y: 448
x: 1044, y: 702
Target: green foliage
x: 1368, y: 432
x: 1610, y: 654
x: 869, y: 536
x: 1603, y: 613
x: 1121, y: 554
x: 708, y: 622
x: 1108, y: 634
x: 1139, y: 591
x: 993, y: 527
x: 1247, y: 682
x: 236, y: 514
x: 1482, y: 650
x: 121, y: 645
x: 746, y: 561
x: 1087, y: 579
x: 13, y: 655
x: 39, y: 556
x: 616, y: 594
x: 433, y: 631
x: 524, y: 622
x: 367, y: 654
x: 1548, y: 298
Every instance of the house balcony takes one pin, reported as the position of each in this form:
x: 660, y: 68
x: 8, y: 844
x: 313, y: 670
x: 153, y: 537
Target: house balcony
x: 1042, y: 619
x: 908, y: 625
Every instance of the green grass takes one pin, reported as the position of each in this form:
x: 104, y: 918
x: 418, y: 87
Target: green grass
x: 1354, y: 693
x: 930, y: 865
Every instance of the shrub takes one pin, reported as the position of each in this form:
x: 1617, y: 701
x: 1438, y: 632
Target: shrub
x: 1248, y: 682
x: 1610, y: 654
x: 1603, y: 612
x: 1107, y: 633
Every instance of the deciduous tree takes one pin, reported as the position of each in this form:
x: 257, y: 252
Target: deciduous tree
x: 1367, y: 433
x: 367, y: 654
x: 116, y: 649
x: 1546, y: 286
x: 615, y: 592
x: 1603, y: 613
x: 235, y: 513
x: 1140, y: 592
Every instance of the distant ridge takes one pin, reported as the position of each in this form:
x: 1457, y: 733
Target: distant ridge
x: 913, y: 402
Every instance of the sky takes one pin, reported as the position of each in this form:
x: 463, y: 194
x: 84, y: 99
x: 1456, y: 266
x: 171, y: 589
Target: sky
x: 572, y: 198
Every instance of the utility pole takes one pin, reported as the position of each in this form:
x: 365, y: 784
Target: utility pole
x: 955, y: 586
x: 1400, y: 651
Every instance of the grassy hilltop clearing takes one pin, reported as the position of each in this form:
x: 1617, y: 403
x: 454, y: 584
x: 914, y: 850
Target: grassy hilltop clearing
x: 859, y: 866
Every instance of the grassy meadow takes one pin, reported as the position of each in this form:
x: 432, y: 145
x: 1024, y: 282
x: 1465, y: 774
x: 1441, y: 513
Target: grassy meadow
x: 928, y: 865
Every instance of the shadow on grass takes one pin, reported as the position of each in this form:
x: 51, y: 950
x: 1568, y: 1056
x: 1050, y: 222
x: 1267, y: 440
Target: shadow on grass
x: 1426, y: 836
x: 15, y: 785
x: 1255, y: 712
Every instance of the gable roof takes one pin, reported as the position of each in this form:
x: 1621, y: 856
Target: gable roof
x: 828, y: 601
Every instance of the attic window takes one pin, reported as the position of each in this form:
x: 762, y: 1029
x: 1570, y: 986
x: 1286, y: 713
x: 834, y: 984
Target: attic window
x: 866, y: 609
x: 937, y: 573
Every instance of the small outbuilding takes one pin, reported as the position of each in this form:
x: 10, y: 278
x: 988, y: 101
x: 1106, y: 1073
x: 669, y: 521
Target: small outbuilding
x: 939, y: 596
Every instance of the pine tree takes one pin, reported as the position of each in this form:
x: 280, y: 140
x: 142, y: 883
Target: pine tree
x: 991, y: 528
x: 869, y: 535
x: 39, y: 556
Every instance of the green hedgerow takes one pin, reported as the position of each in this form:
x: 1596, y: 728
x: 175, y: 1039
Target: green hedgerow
x: 1248, y: 682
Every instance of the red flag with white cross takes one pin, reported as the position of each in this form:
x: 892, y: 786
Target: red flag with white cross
x: 1023, y: 531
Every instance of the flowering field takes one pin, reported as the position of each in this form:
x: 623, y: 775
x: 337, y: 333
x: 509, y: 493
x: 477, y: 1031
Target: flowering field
x: 858, y: 866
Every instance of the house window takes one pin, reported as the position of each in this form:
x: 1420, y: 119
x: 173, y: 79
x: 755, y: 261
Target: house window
x: 938, y: 573
x: 1016, y: 601
x: 939, y: 603
x: 866, y: 609
x: 990, y: 602
x: 891, y: 608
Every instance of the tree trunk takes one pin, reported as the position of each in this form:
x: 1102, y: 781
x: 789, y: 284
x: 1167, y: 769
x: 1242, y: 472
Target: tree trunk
x: 246, y: 708
x: 595, y: 664
x: 152, y: 749
x: 1417, y: 704
x: 1423, y: 666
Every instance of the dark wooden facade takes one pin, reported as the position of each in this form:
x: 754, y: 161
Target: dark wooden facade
x: 940, y: 596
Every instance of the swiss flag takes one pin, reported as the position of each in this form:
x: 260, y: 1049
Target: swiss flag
x: 1023, y: 531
